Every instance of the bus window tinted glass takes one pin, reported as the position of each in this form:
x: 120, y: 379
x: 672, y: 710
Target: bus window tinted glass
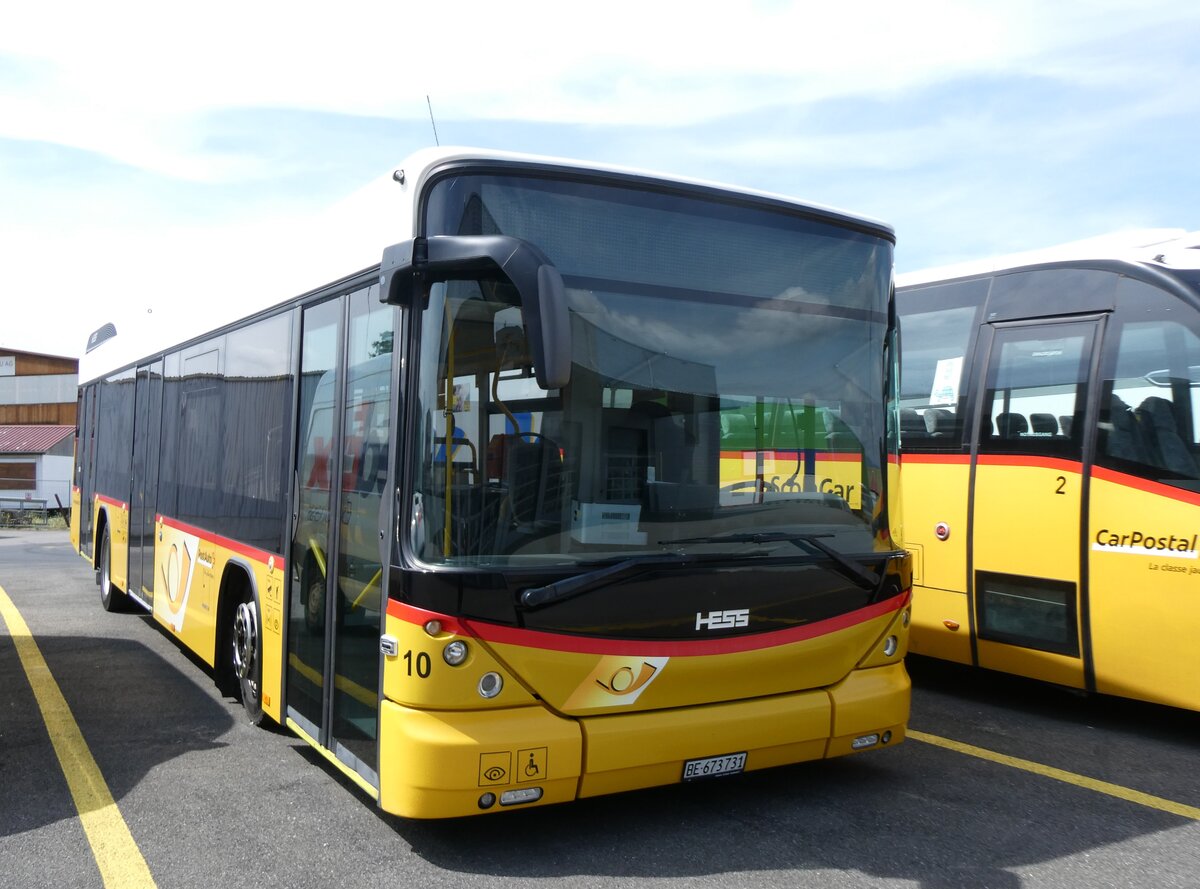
x: 936, y: 326
x: 725, y: 374
x: 931, y: 377
x: 1036, y: 390
x: 1149, y: 416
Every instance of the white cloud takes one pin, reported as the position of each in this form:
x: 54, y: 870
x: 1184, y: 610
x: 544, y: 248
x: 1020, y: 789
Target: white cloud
x: 141, y: 83
x: 127, y: 78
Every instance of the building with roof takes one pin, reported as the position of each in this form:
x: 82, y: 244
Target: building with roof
x: 37, y: 389
x: 38, y: 399
x: 35, y: 464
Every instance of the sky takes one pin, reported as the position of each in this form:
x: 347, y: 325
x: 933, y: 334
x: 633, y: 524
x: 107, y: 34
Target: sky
x: 142, y: 143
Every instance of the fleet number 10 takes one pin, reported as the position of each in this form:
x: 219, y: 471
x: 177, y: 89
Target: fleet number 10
x: 423, y: 664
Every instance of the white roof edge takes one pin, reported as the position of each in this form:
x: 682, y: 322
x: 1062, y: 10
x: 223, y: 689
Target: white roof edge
x: 1165, y: 246
x: 280, y: 263
x: 426, y: 159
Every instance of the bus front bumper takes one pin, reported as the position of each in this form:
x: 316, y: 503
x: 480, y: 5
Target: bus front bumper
x: 444, y: 764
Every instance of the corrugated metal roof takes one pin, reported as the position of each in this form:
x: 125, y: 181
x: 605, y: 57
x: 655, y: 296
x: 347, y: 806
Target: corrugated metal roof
x: 32, y: 439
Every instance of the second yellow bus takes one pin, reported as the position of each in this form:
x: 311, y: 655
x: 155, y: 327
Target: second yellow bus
x: 1050, y: 438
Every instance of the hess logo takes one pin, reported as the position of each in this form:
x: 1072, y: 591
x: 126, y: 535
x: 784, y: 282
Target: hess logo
x: 723, y: 620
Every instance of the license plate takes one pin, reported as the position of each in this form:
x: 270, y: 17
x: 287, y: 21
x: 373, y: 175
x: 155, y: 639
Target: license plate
x: 713, y: 766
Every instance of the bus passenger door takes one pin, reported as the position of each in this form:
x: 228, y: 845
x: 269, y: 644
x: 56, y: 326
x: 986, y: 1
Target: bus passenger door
x: 1028, y: 590
x: 335, y: 602
x: 147, y: 422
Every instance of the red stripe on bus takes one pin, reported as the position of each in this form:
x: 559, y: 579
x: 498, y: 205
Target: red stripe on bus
x: 1123, y: 479
x: 649, y: 647
x: 1145, y: 484
x: 112, y: 501
x: 1025, y: 460
x: 1018, y: 460
x: 948, y: 459
x: 250, y: 552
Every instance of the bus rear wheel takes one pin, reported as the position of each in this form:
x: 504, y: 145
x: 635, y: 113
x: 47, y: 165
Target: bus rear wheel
x: 247, y: 656
x: 111, y: 598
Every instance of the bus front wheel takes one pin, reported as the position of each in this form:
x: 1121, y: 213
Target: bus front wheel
x: 247, y: 656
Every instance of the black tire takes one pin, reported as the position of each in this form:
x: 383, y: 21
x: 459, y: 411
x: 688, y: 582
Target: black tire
x: 111, y: 598
x: 246, y: 656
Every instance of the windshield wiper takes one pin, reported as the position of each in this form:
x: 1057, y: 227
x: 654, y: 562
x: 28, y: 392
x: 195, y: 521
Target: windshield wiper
x: 847, y: 567
x: 570, y: 587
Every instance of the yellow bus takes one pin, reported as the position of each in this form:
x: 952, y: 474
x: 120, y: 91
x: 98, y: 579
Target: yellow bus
x: 582, y: 487
x: 1050, y: 436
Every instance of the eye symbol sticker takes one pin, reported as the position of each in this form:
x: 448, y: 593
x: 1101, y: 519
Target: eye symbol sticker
x: 495, y: 768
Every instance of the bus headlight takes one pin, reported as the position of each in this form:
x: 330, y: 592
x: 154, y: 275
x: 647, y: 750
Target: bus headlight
x: 455, y: 652
x: 890, y: 644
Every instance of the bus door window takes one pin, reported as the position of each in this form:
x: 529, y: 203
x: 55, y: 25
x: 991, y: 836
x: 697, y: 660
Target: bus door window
x: 313, y: 533
x: 1036, y: 389
x: 357, y: 612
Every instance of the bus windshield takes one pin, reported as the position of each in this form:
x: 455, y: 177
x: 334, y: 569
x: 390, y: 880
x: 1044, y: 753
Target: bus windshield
x: 727, y: 377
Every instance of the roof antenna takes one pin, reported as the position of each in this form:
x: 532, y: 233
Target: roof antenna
x: 432, y: 121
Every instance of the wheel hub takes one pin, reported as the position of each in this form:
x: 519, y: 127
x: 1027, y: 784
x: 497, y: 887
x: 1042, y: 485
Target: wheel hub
x: 245, y: 639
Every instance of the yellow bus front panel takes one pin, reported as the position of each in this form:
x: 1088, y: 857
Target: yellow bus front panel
x: 416, y: 674
x: 649, y: 676
x: 449, y: 763
x: 870, y: 701
x: 583, y: 676
x: 647, y: 749
x: 594, y: 716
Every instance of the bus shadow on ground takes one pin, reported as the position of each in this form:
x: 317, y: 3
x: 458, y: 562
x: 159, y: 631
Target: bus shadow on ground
x: 943, y: 690
x: 916, y: 812
x: 134, y: 710
x: 912, y: 813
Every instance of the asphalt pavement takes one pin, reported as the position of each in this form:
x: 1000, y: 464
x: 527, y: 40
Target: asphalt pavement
x: 1014, y: 784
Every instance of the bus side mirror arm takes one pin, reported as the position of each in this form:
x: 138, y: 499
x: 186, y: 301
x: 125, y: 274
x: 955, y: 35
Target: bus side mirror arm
x: 410, y: 266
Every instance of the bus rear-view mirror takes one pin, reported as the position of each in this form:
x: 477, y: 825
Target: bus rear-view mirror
x: 412, y: 265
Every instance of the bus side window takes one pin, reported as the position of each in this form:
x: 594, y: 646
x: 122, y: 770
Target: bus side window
x: 938, y: 326
x: 1148, y: 420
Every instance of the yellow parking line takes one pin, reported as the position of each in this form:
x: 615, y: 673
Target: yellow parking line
x: 1125, y: 793
x: 117, y: 855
